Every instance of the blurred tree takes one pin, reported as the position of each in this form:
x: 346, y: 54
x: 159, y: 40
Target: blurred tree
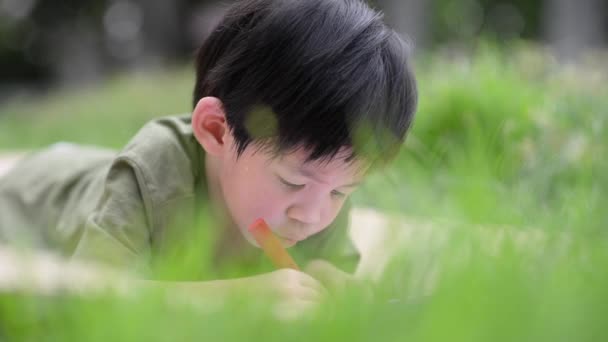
x: 46, y: 42
x: 572, y: 26
x: 408, y: 17
x: 71, y: 42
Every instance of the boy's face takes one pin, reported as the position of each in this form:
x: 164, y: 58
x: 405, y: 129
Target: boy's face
x: 297, y: 199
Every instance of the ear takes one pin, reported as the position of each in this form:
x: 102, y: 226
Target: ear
x: 209, y: 125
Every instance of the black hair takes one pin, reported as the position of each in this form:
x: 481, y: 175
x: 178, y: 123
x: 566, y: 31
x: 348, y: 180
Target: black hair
x: 314, y: 74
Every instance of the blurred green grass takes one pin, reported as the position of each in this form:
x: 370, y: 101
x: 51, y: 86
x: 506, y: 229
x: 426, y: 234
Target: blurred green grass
x: 509, y: 141
x: 105, y: 115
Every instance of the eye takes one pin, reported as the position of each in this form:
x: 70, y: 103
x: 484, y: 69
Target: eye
x: 338, y: 194
x: 291, y: 186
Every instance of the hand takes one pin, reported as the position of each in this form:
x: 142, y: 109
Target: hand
x: 293, y: 293
x: 336, y: 280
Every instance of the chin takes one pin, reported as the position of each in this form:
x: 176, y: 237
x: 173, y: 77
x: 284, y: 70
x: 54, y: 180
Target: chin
x: 288, y: 243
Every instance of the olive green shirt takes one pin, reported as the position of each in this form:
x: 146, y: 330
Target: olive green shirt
x: 121, y: 207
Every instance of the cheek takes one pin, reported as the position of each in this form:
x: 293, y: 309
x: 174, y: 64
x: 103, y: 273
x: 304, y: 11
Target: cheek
x: 333, y: 212
x: 253, y: 195
x: 329, y: 215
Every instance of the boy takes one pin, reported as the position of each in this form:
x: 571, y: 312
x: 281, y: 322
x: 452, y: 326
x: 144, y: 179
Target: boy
x: 294, y: 103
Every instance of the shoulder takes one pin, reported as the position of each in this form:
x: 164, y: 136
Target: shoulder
x: 165, y: 156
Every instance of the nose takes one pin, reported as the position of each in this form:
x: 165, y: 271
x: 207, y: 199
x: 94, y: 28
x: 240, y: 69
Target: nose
x: 308, y: 212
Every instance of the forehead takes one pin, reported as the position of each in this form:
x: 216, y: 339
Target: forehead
x: 297, y: 161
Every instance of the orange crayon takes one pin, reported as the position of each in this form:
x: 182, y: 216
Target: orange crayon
x: 271, y: 245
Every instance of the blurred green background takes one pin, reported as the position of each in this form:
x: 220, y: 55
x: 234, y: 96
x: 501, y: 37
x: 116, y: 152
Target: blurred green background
x: 506, y: 166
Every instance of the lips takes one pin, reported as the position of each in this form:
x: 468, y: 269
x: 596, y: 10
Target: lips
x: 288, y: 242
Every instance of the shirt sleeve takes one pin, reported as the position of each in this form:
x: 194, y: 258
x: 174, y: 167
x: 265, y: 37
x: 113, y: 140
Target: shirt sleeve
x: 117, y: 232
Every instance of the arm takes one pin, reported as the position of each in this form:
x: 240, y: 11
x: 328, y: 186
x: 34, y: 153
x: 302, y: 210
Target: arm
x: 289, y: 292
